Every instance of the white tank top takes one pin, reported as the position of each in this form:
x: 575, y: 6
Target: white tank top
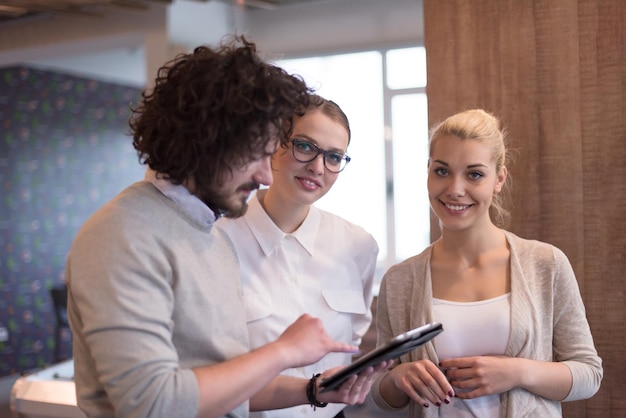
x: 472, y: 329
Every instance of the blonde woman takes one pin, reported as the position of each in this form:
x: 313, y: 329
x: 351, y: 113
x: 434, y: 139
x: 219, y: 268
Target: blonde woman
x: 516, y: 341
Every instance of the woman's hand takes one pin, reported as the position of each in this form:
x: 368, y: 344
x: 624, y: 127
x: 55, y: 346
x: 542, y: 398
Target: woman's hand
x: 423, y: 382
x: 480, y: 375
x: 489, y: 375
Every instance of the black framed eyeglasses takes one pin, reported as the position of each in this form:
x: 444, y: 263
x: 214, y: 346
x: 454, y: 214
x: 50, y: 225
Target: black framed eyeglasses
x: 305, y: 152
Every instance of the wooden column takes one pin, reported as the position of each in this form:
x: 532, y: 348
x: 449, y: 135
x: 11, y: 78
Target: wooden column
x: 555, y: 72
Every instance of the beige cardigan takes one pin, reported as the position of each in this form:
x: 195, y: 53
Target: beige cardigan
x: 548, y: 322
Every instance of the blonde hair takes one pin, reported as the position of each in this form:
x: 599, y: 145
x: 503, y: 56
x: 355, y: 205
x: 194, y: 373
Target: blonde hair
x: 479, y: 125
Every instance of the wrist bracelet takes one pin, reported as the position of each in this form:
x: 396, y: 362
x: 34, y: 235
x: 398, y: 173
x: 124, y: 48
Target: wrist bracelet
x: 310, y: 393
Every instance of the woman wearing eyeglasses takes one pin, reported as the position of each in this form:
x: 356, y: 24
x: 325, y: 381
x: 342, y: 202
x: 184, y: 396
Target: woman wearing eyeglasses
x: 296, y: 258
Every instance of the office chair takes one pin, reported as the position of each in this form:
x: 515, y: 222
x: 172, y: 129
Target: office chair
x: 59, y: 302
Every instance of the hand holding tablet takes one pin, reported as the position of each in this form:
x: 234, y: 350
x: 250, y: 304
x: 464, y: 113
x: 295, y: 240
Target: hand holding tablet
x: 394, y: 348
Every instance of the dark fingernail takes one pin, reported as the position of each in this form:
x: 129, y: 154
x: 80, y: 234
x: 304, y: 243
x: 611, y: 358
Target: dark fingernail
x: 426, y: 405
x: 450, y: 393
x: 438, y: 403
x: 446, y: 400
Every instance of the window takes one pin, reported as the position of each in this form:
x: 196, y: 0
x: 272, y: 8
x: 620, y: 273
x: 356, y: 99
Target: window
x: 383, y: 189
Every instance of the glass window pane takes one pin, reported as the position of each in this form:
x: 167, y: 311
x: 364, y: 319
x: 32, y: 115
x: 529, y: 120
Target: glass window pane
x: 410, y: 159
x: 406, y: 68
x: 353, y: 81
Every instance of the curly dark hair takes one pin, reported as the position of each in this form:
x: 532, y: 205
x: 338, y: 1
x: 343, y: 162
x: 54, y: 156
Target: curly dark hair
x: 213, y: 110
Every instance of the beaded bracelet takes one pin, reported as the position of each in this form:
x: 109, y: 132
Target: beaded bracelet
x: 310, y: 393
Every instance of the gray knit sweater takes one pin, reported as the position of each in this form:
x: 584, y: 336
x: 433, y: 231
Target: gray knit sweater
x: 152, y: 293
x: 548, y: 322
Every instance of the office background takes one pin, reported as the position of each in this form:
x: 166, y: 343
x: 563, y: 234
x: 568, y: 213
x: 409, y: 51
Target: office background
x: 63, y: 154
x: 554, y: 71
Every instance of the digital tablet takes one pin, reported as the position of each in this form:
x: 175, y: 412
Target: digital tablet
x: 394, y: 348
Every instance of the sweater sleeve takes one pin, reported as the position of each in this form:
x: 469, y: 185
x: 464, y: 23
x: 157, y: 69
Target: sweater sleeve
x: 121, y: 311
x: 573, y: 342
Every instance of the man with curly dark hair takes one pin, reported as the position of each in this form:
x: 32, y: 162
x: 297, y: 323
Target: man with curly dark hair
x: 155, y: 306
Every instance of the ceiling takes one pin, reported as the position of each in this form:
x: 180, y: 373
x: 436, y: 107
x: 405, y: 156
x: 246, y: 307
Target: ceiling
x: 13, y: 10
x: 122, y: 56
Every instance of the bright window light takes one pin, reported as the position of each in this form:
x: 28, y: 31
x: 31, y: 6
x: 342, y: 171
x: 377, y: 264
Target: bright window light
x: 353, y: 81
x: 406, y: 68
x: 410, y: 158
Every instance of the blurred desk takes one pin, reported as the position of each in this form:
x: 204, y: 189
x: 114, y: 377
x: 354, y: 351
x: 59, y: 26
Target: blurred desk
x: 47, y: 393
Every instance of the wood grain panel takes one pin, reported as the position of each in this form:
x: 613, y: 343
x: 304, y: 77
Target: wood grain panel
x: 555, y: 72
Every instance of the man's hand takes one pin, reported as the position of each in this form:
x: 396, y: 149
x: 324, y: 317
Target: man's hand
x: 355, y: 389
x: 306, y: 341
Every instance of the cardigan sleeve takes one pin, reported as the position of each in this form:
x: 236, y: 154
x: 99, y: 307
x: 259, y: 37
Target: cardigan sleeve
x: 573, y: 342
x: 403, y: 304
x: 384, y: 333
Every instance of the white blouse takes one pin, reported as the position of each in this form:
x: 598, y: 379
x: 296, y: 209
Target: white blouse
x: 325, y: 268
x: 472, y: 329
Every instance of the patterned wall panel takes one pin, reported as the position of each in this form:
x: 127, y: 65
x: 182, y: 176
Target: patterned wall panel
x: 64, y: 151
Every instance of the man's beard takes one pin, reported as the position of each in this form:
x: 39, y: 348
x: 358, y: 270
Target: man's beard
x: 223, y: 204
